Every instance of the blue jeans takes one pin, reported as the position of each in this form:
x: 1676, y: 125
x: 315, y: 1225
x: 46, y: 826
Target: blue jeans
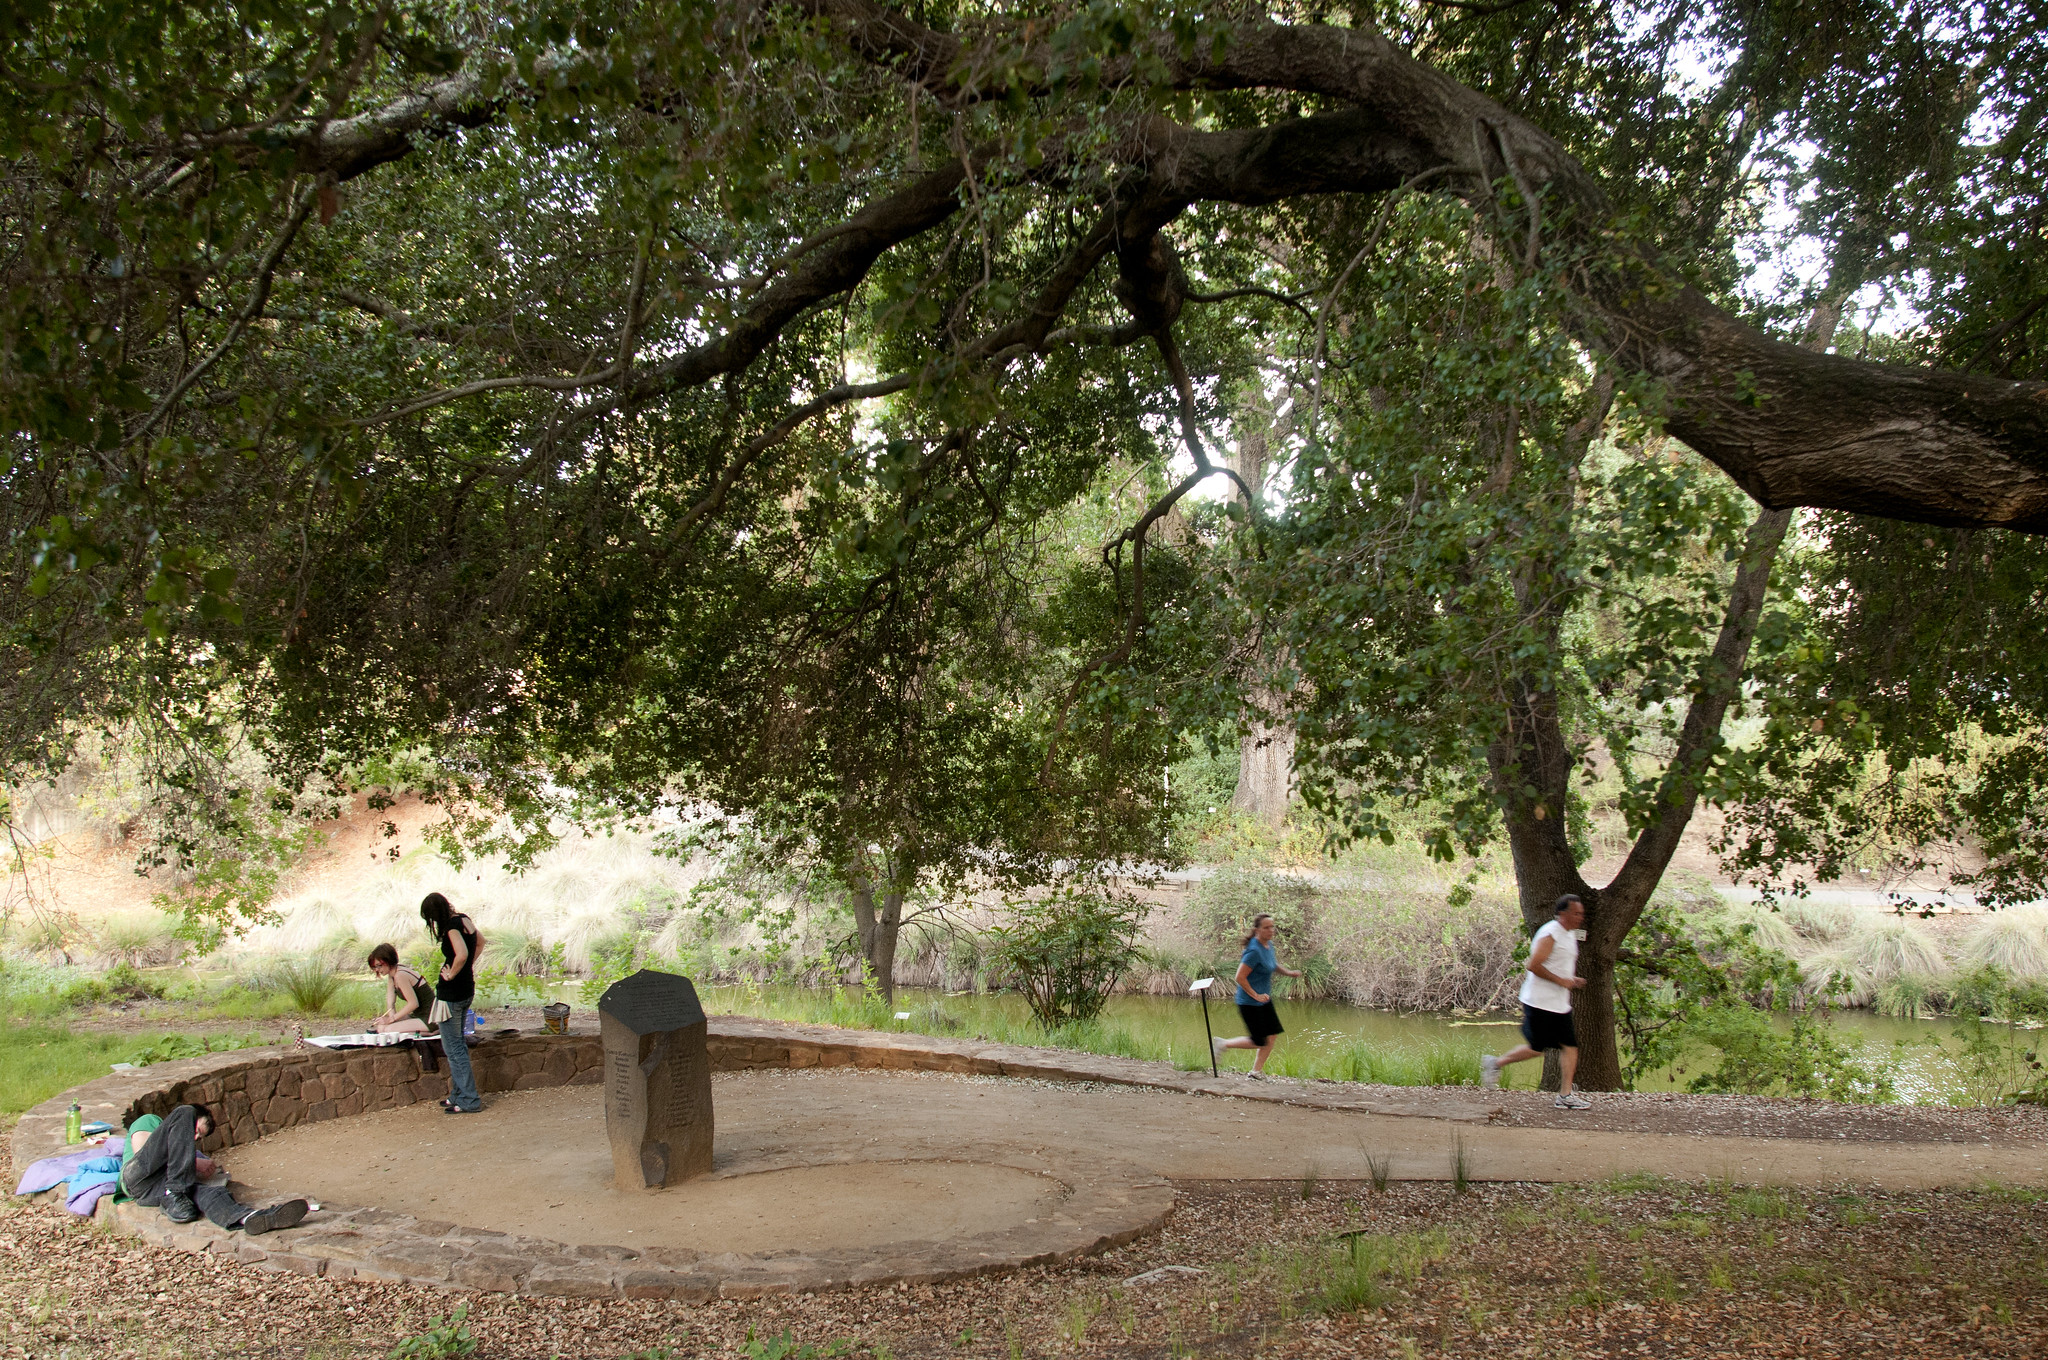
x: 461, y: 1080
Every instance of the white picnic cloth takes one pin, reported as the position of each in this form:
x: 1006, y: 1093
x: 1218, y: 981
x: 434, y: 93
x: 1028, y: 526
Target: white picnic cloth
x: 360, y: 1040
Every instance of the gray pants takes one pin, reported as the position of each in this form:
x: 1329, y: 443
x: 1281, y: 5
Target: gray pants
x: 165, y: 1167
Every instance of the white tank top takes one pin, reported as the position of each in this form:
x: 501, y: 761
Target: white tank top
x: 1542, y: 993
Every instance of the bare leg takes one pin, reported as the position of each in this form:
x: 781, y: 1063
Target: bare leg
x: 412, y: 1024
x: 1568, y: 1060
x: 1239, y: 1042
x: 1518, y: 1054
x: 1265, y: 1052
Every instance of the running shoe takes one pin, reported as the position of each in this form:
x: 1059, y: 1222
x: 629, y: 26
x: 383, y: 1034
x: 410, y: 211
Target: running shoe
x: 1572, y: 1100
x: 1489, y: 1072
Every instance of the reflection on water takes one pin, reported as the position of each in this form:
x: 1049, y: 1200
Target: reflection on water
x: 1324, y: 1038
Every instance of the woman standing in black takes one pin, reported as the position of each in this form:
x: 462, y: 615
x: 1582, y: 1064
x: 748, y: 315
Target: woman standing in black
x: 461, y: 942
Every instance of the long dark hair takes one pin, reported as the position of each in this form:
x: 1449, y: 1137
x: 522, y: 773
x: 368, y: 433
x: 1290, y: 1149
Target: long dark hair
x: 439, y: 916
x: 1262, y: 916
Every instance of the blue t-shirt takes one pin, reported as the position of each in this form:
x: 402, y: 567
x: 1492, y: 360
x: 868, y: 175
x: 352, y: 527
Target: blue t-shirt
x: 1262, y: 963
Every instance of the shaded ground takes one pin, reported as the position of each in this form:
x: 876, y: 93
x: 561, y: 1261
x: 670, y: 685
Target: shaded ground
x: 538, y: 1162
x: 1630, y: 1268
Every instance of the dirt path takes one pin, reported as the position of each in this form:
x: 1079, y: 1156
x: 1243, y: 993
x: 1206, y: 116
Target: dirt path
x: 923, y: 1150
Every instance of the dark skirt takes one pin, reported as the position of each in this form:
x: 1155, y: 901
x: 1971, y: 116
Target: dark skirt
x: 1261, y: 1022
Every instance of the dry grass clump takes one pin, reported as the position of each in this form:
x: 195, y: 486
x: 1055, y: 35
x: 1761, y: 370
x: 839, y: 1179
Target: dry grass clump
x: 2014, y: 941
x: 579, y: 894
x: 1820, y: 922
x: 141, y: 939
x: 1878, y: 953
x: 1391, y: 941
x: 1768, y: 928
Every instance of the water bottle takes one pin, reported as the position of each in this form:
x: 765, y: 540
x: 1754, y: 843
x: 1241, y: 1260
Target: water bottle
x: 73, y: 1132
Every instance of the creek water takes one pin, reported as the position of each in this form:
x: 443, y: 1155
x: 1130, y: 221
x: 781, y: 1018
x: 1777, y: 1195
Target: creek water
x: 1323, y: 1038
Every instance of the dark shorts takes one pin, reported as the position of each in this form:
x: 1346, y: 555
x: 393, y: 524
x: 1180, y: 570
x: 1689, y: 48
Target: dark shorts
x: 1261, y: 1022
x: 1546, y: 1030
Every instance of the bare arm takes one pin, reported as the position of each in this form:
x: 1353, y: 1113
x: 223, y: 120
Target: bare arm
x: 461, y: 951
x: 1244, y: 970
x: 1541, y: 954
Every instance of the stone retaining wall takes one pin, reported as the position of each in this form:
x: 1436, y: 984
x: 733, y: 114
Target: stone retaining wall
x: 258, y: 1091
x: 262, y: 1091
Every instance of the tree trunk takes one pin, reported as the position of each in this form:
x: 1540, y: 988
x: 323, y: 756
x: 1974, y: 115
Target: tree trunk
x: 880, y: 929
x: 1265, y: 773
x: 1265, y: 758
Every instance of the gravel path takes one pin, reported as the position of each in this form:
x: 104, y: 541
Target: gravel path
x: 1773, y: 1117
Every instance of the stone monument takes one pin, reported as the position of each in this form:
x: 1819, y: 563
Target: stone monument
x: 657, y: 1080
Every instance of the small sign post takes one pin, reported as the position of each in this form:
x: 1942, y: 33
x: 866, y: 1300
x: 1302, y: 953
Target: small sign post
x: 1201, y: 988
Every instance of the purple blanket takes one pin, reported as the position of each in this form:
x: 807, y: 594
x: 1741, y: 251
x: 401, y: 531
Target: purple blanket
x: 85, y: 1201
x: 54, y: 1171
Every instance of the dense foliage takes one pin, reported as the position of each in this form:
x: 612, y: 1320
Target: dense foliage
x: 580, y: 410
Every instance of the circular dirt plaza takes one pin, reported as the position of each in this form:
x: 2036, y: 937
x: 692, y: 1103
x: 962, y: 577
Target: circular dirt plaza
x: 844, y: 1158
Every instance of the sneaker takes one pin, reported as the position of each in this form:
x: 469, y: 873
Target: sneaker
x: 1256, y: 1076
x: 1489, y: 1072
x: 286, y: 1215
x: 180, y: 1209
x: 1572, y: 1100
x: 1217, y: 1047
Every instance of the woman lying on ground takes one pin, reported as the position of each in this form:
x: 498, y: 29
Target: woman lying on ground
x: 408, y: 997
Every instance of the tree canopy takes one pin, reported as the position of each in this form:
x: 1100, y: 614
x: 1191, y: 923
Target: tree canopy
x: 677, y: 399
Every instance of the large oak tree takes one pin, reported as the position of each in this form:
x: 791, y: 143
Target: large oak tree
x: 413, y: 367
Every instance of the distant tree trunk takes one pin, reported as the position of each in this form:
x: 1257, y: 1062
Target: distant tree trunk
x: 879, y: 928
x: 1265, y: 758
x: 1265, y: 773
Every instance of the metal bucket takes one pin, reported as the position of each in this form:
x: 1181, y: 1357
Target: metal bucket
x: 555, y: 1015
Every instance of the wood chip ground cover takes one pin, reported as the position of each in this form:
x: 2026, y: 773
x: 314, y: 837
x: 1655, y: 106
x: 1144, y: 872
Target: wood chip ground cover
x: 1288, y: 1270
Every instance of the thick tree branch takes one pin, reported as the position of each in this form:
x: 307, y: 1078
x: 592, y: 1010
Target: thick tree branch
x: 1791, y: 426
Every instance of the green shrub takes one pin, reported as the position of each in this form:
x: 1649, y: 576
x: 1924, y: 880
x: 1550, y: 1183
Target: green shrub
x: 1688, y: 986
x: 445, y: 1339
x: 1067, y: 951
x: 2000, y: 1054
x: 310, y: 984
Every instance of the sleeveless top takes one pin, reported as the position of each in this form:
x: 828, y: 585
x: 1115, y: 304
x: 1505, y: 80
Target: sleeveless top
x: 462, y: 987
x: 422, y: 993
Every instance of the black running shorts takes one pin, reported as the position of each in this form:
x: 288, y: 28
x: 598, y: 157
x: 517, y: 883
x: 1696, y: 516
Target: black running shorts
x: 1546, y: 1030
x: 1261, y: 1022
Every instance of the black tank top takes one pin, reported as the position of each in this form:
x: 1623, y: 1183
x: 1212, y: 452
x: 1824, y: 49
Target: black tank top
x: 461, y: 987
x: 422, y: 994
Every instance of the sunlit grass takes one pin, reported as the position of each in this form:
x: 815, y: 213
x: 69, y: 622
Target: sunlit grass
x: 38, y: 1061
